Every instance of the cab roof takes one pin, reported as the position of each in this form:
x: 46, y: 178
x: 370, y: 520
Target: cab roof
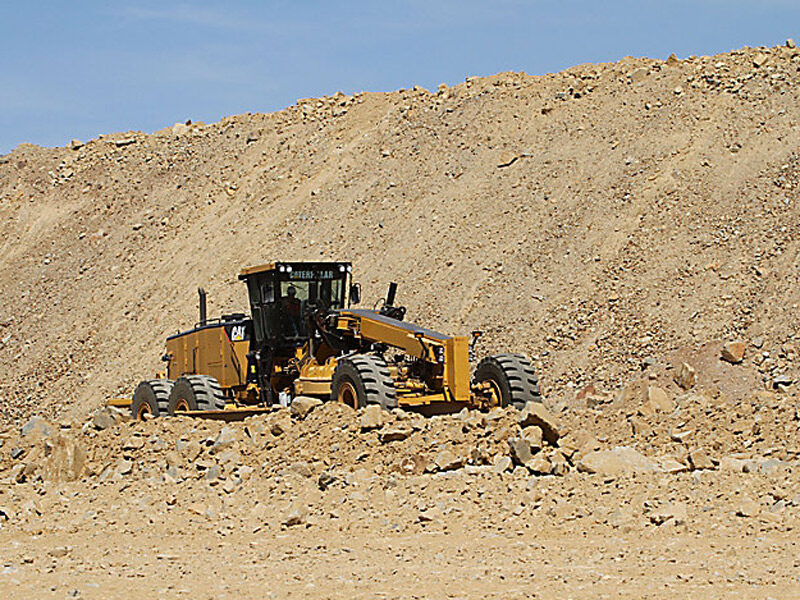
x: 306, y: 265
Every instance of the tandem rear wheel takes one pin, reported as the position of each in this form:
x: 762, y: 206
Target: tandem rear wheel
x: 195, y: 392
x: 151, y: 399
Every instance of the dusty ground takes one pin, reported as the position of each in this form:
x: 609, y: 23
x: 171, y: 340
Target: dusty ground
x: 330, y: 506
x: 219, y: 559
x: 615, y: 221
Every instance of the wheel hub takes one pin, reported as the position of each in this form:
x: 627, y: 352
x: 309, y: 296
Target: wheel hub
x: 144, y: 409
x: 495, y: 395
x: 347, y: 394
x: 489, y: 392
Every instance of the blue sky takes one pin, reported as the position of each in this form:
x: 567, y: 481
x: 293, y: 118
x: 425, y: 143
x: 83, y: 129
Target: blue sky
x: 78, y: 69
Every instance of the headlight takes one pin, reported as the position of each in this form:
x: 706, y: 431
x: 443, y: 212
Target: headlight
x: 439, y: 351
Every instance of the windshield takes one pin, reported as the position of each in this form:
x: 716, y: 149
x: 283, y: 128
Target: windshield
x: 281, y: 301
x: 328, y: 291
x: 297, y: 296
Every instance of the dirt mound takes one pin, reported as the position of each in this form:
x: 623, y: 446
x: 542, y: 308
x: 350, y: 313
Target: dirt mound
x: 594, y: 218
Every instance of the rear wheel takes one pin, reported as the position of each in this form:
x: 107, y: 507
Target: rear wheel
x: 363, y: 379
x: 508, y: 380
x: 151, y: 398
x: 195, y: 392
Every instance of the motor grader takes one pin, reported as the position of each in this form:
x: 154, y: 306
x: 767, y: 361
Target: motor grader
x: 304, y: 337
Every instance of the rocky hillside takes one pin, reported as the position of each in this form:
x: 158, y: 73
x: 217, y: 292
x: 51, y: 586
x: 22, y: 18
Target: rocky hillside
x: 597, y: 218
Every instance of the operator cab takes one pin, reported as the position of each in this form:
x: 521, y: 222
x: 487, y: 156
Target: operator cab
x: 281, y: 294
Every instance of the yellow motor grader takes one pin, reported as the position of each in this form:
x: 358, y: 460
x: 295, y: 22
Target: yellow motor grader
x: 304, y: 338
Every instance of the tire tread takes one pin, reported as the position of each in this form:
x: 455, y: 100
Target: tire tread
x: 519, y: 376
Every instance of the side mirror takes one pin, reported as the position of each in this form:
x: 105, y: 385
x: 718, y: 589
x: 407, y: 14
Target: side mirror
x: 355, y: 293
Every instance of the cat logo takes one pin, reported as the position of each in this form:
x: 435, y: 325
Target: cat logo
x: 237, y: 333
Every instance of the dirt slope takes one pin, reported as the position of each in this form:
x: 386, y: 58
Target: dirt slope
x: 594, y: 218
x: 615, y: 221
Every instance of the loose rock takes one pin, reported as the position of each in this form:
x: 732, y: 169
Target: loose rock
x: 395, y: 434
x: 747, y: 507
x: 37, y: 426
x: 225, y: 439
x: 674, y: 513
x: 303, y: 405
x: 685, y: 376
x: 65, y: 461
x: 104, y: 418
x: 618, y: 461
x: 733, y: 352
x: 700, y: 460
x: 447, y: 461
x: 539, y: 465
x: 501, y: 465
x: 301, y: 468
x: 658, y: 400
x: 296, y: 516
x: 521, y: 452
x: 281, y: 425
x: 372, y: 418
x: 534, y: 436
x: 535, y: 413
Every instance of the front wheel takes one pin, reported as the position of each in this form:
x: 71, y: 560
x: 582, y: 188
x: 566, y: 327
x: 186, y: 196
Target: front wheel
x: 508, y: 380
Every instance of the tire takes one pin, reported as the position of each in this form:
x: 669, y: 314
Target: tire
x: 363, y: 379
x: 151, y: 397
x: 195, y: 392
x: 512, y: 375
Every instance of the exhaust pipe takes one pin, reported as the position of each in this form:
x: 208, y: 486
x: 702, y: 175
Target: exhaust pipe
x: 202, y: 293
x: 392, y: 293
x: 389, y: 309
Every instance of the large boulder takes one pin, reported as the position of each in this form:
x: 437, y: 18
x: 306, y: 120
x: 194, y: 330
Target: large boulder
x: 65, y: 458
x: 37, y: 426
x: 535, y: 413
x: 372, y: 418
x: 620, y: 460
x: 303, y: 405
